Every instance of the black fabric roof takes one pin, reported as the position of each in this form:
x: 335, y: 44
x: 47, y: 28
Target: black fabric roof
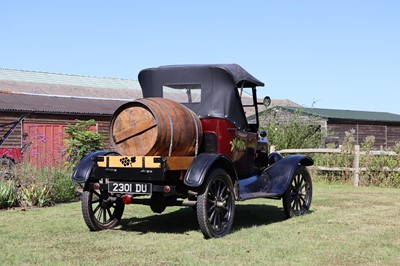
x: 219, y: 88
x: 238, y: 73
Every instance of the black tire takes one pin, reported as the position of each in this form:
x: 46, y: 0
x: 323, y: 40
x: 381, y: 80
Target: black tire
x: 100, y: 211
x: 216, y: 204
x: 7, y: 168
x: 297, y: 198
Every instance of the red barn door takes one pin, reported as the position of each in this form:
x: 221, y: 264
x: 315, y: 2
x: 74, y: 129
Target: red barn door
x: 46, y: 144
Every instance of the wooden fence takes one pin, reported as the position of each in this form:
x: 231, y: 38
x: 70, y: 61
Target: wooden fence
x: 356, y: 169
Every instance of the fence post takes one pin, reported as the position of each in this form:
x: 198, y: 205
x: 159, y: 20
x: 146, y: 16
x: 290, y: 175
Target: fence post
x: 356, y: 165
x: 272, y: 149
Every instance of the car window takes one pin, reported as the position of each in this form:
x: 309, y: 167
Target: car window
x: 248, y: 106
x: 183, y: 93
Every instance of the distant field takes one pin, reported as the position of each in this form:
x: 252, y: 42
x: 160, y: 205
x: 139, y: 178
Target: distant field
x: 347, y: 226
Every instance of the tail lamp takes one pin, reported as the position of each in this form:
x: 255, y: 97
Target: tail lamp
x: 127, y: 199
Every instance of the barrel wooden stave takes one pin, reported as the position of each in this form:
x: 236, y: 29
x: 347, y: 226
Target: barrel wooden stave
x: 151, y: 123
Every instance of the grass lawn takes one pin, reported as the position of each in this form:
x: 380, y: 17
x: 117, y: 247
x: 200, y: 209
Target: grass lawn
x: 347, y: 226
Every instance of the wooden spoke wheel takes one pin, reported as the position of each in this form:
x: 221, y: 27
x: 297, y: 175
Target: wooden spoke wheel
x: 216, y: 204
x: 100, y: 210
x: 297, y: 198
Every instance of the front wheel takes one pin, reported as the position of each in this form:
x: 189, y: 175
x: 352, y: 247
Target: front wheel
x: 100, y: 210
x: 216, y: 204
x: 297, y: 198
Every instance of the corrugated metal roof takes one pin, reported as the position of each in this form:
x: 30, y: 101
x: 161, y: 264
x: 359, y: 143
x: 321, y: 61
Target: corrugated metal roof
x: 13, y: 102
x: 348, y: 114
x: 67, y: 79
x: 33, y: 82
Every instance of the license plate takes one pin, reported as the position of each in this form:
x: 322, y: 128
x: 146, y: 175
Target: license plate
x: 130, y: 188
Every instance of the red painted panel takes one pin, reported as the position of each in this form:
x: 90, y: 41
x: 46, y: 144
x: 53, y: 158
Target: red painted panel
x: 14, y: 153
x: 223, y: 129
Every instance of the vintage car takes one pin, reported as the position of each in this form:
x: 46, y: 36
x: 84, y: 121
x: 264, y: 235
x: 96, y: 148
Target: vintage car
x: 188, y: 142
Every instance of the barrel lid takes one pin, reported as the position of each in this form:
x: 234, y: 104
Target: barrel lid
x: 133, y: 129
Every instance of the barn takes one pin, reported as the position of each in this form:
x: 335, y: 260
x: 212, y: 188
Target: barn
x: 385, y: 127
x: 54, y: 101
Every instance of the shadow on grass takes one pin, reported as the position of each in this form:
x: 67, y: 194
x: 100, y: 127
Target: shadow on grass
x: 185, y: 220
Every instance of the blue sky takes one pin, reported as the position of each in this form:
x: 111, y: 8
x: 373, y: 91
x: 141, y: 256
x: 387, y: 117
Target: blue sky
x: 340, y: 54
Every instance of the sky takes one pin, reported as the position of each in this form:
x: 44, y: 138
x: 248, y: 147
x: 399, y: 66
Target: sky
x: 337, y: 54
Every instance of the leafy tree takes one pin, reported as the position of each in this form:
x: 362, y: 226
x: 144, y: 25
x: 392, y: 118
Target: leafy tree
x: 80, y: 141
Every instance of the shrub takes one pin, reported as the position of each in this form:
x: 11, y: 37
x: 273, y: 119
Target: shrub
x: 378, y: 170
x: 80, y: 141
x: 396, y: 147
x: 43, y: 187
x: 349, y: 141
x: 293, y: 131
x: 33, y: 185
x: 34, y: 195
x: 62, y: 187
x: 7, y: 194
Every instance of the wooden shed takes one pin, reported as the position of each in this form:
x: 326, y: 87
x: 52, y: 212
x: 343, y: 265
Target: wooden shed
x: 385, y: 127
x: 56, y: 100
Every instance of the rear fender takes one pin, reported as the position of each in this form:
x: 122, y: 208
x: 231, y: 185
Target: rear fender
x: 282, y: 172
x: 203, y: 163
x: 82, y: 171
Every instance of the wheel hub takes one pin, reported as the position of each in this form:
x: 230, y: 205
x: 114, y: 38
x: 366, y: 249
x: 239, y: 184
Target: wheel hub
x: 106, y: 203
x: 219, y: 204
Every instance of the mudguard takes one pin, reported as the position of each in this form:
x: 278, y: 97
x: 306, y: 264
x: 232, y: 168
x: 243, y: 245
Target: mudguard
x: 282, y: 172
x: 203, y: 163
x: 82, y: 171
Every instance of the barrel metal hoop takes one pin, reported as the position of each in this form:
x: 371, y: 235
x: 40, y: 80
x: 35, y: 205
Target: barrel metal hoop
x: 196, y: 149
x: 171, y: 126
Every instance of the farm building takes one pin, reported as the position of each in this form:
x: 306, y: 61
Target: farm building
x: 55, y: 100
x: 385, y: 127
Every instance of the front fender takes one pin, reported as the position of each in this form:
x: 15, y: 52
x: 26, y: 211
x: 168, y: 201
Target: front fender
x: 82, y: 171
x: 203, y: 163
x: 282, y: 172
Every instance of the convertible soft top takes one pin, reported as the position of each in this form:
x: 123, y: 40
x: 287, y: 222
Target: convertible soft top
x: 238, y: 73
x: 218, y: 84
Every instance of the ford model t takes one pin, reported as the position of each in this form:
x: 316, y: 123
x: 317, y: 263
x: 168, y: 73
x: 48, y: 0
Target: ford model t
x: 192, y: 140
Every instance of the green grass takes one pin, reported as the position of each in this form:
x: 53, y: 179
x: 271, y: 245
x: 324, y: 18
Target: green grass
x: 347, y: 226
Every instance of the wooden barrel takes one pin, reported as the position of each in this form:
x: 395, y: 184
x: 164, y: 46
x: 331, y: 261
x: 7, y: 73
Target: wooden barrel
x: 155, y: 126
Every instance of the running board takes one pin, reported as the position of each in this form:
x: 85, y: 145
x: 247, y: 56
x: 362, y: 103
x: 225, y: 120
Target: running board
x: 257, y: 186
x: 254, y: 195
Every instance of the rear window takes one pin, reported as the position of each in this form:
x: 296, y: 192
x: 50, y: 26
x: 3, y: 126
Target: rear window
x: 183, y: 93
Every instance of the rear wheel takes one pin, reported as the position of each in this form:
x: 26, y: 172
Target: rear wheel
x: 216, y: 204
x: 297, y: 198
x: 100, y: 210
